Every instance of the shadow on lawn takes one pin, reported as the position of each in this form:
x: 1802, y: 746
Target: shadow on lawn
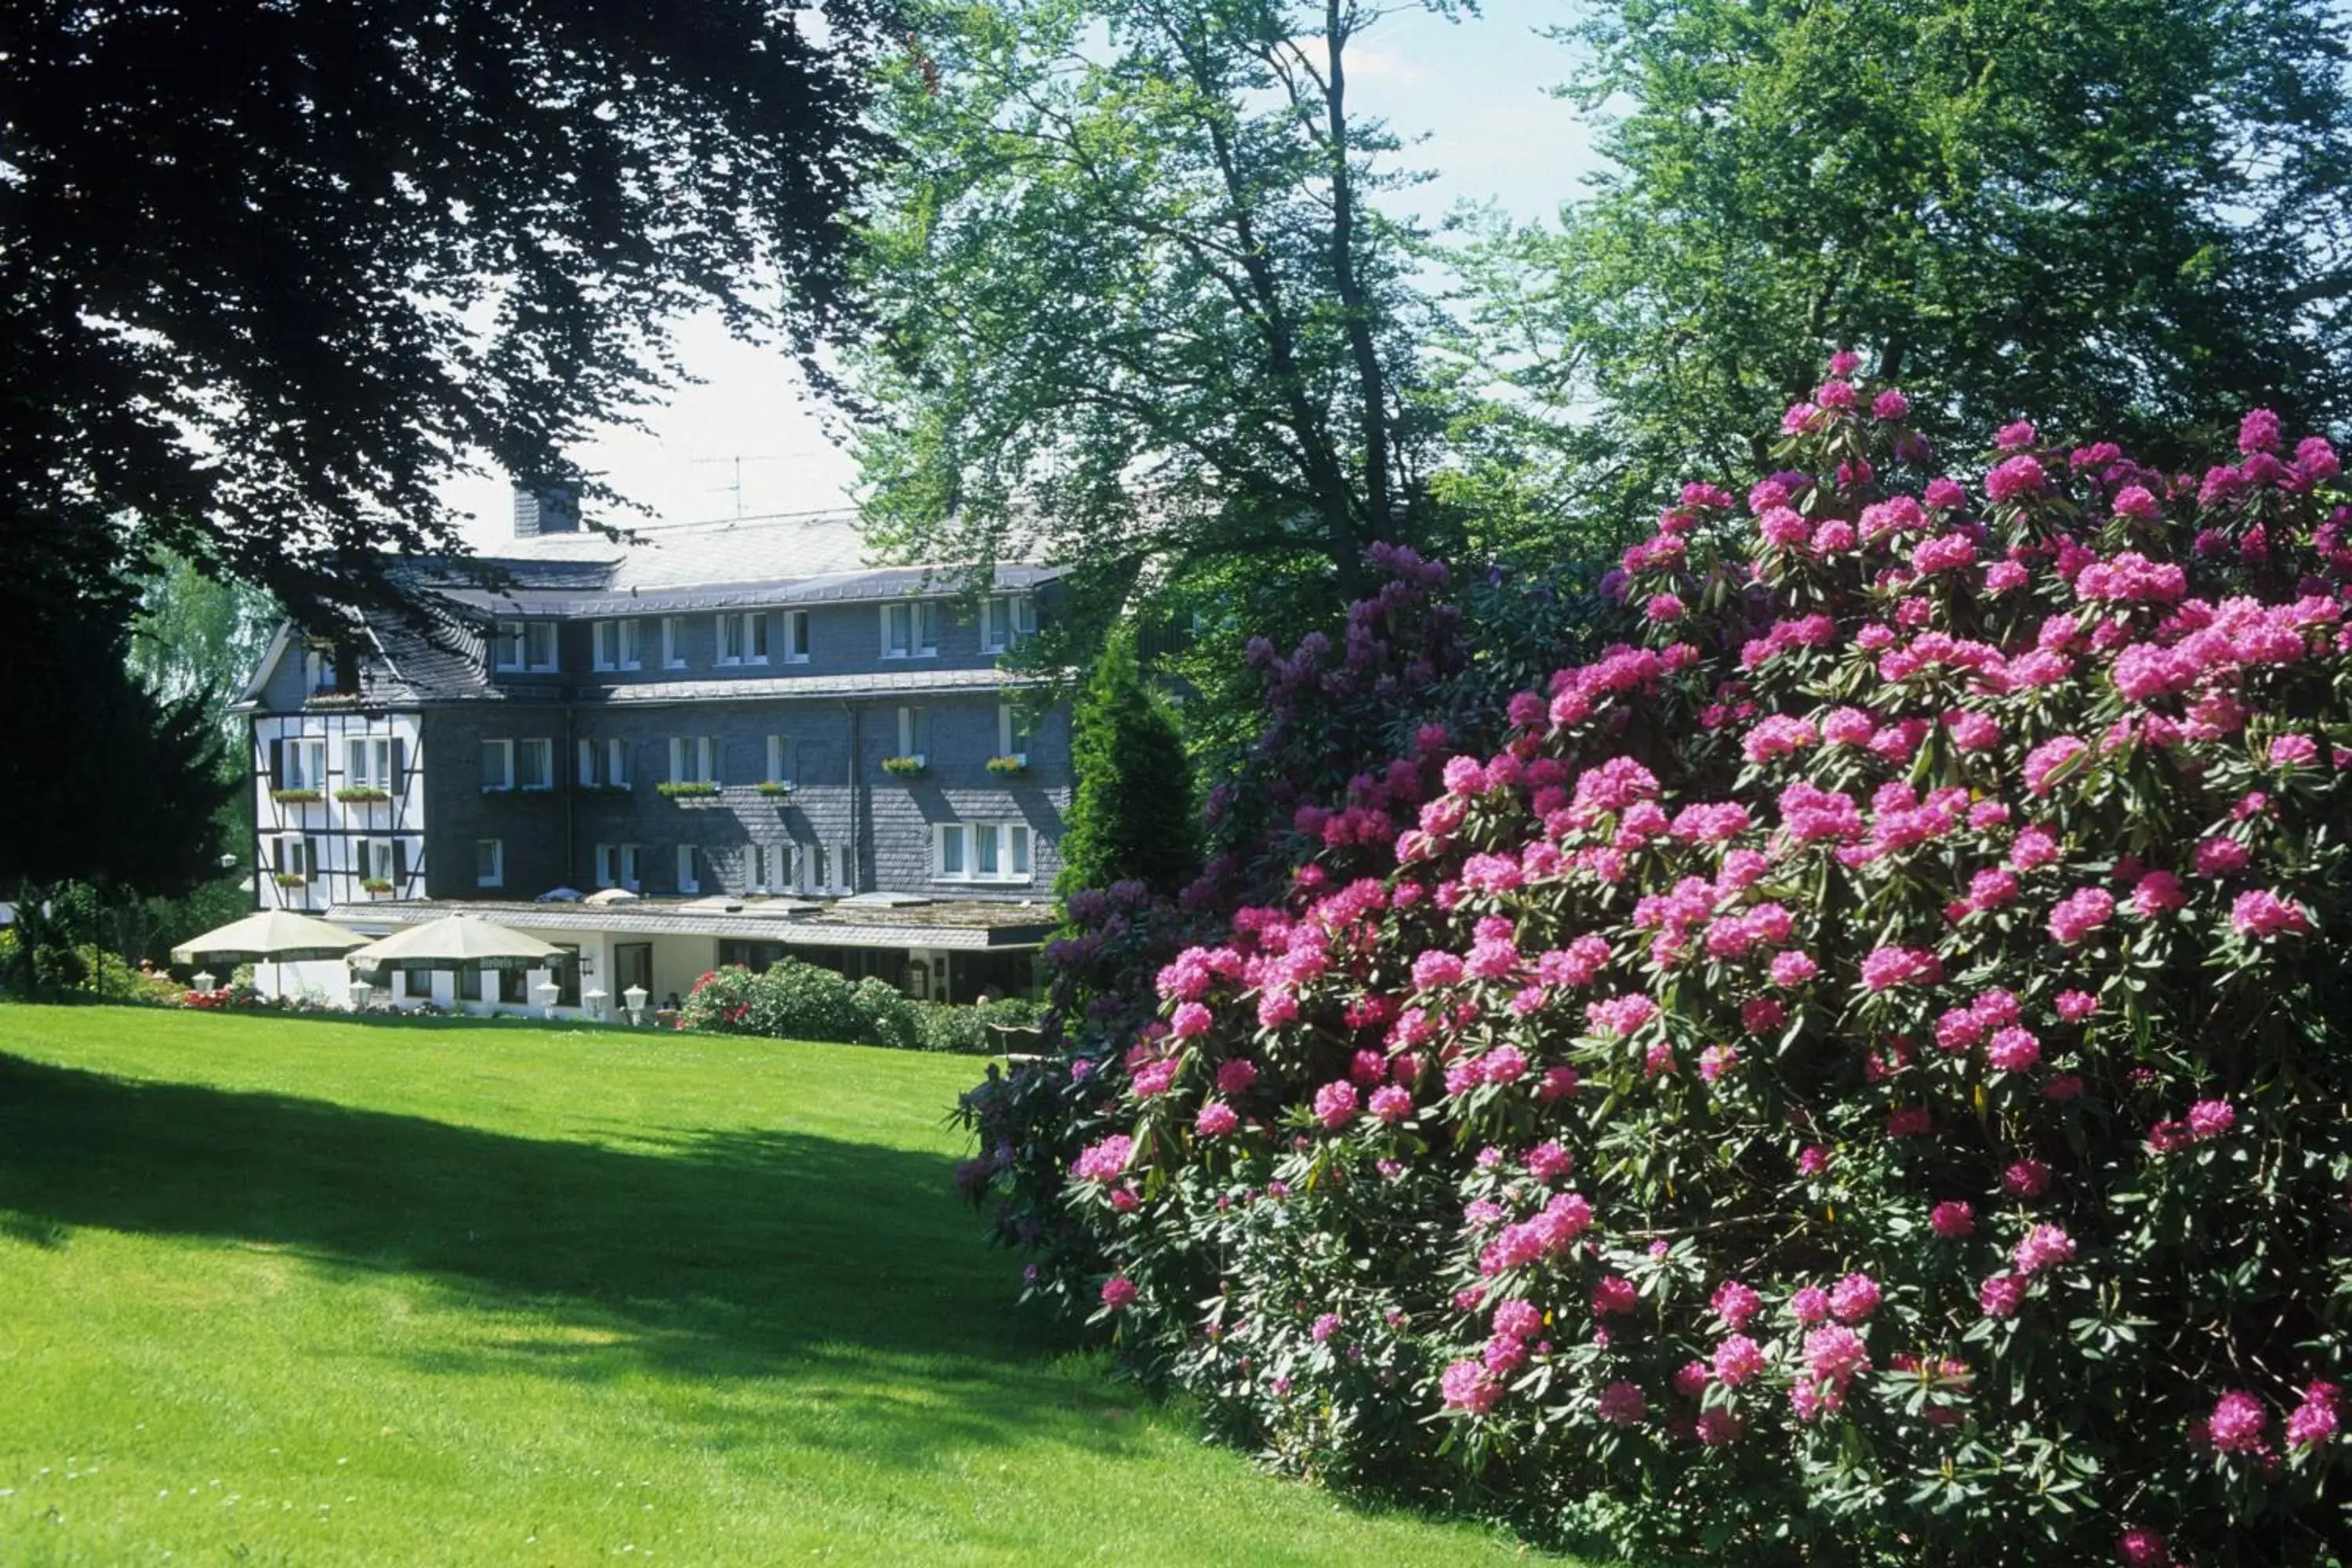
x: 847, y: 1268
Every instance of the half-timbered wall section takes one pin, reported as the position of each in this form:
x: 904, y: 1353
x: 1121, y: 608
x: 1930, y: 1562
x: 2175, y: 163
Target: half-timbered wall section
x: 338, y: 806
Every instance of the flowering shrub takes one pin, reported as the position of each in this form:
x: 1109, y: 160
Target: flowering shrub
x: 1857, y: 1070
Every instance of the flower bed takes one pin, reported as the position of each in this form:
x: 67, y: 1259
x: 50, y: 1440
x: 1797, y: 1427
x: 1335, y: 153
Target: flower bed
x: 1856, y: 1071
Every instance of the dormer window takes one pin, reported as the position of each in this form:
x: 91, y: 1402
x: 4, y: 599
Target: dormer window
x: 613, y: 645
x: 328, y: 671
x: 744, y: 638
x: 911, y: 629
x: 1006, y: 621
x: 525, y: 646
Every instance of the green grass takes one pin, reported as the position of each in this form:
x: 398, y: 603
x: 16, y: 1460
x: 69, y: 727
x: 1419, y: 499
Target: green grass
x: 299, y: 1292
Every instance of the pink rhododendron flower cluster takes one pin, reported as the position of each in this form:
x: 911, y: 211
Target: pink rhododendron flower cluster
x: 1914, y: 920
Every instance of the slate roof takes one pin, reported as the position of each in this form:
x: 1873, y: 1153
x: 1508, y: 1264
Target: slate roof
x: 746, y: 563
x: 963, y: 925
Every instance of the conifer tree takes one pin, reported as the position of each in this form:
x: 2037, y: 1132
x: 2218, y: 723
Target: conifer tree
x: 1131, y: 816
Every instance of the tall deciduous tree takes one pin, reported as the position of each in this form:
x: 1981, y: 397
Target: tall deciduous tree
x: 1138, y: 312
x: 268, y: 271
x: 2128, y: 215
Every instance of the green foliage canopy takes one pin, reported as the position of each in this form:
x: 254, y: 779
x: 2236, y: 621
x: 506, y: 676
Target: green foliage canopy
x: 2133, y: 217
x: 1136, y: 307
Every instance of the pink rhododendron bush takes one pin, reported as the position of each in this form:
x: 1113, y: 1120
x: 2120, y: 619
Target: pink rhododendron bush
x: 1859, y: 1069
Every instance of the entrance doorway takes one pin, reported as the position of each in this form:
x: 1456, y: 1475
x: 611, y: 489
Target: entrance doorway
x: 633, y: 964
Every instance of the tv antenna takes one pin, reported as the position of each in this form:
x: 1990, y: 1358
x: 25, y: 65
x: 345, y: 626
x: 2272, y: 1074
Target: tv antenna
x: 737, y: 462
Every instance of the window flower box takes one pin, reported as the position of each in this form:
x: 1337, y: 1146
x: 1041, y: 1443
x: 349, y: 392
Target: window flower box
x: 903, y: 767
x: 358, y: 793
x: 775, y: 787
x: 612, y: 789
x: 1008, y: 767
x: 687, y: 790
x: 295, y: 797
x: 375, y: 884
x: 290, y: 880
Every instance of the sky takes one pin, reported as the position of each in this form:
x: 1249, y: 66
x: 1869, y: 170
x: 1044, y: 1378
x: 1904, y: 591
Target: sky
x: 1475, y: 90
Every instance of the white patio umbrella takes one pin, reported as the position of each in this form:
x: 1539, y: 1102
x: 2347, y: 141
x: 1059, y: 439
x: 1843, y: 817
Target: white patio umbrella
x: 271, y: 936
x: 456, y: 942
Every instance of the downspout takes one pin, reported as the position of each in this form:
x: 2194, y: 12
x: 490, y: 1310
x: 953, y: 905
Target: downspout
x: 571, y: 798
x: 848, y: 874
x: 253, y: 795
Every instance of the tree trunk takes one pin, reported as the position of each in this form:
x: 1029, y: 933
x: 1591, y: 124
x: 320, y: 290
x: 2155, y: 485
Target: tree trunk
x: 1372, y: 388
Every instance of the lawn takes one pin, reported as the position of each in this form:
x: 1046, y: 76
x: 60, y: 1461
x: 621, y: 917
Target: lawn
x: 300, y: 1291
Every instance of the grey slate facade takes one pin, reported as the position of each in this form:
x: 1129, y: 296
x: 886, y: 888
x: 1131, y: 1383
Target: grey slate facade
x: 757, y: 649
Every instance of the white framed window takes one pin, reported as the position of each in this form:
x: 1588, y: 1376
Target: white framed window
x: 604, y: 764
x: 617, y: 865
x: 915, y: 732
x: 744, y: 638
x: 780, y: 759
x: 377, y: 860
x: 613, y: 645
x: 302, y: 765
x: 489, y: 862
x: 498, y: 764
x: 793, y: 633
x: 535, y: 764
x: 322, y: 673
x: 844, y: 870
x: 673, y: 642
x: 772, y: 867
x: 694, y: 759
x: 981, y: 851
x: 1006, y: 620
x: 526, y: 646
x: 910, y: 628
x: 367, y: 762
x: 689, y: 866
x: 1014, y: 731
x: 290, y: 856
x: 817, y: 867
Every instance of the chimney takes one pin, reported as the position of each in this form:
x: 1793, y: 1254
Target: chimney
x: 545, y: 509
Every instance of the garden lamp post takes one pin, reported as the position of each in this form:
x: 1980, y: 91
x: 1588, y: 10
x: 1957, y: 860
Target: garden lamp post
x: 547, y: 991
x: 202, y: 980
x: 634, y: 999
x: 361, y: 991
